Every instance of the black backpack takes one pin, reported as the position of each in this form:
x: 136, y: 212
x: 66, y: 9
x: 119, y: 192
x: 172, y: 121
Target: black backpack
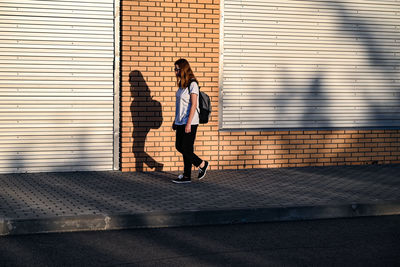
x: 204, y: 107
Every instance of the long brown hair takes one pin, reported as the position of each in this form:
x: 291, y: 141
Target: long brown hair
x: 186, y: 74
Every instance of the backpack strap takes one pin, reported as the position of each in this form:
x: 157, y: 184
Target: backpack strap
x: 193, y: 81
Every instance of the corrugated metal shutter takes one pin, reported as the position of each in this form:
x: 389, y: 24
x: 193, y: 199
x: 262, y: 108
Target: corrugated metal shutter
x: 56, y: 85
x: 310, y: 64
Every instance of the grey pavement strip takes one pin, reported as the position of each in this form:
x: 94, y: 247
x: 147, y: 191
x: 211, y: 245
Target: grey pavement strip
x: 193, y: 218
x: 76, y: 201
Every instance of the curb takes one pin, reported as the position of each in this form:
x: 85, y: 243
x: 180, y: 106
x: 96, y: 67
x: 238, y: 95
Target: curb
x: 192, y: 218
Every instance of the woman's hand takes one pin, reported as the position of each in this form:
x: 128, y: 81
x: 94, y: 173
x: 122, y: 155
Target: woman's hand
x: 188, y: 128
x: 173, y: 126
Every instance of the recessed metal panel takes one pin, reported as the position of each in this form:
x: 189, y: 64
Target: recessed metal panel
x: 309, y: 64
x: 57, y: 85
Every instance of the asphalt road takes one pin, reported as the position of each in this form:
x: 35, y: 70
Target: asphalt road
x: 371, y: 241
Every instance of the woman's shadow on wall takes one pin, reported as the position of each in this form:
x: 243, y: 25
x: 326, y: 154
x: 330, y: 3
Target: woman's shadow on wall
x: 146, y: 115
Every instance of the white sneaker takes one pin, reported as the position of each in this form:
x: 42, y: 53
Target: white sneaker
x: 181, y: 180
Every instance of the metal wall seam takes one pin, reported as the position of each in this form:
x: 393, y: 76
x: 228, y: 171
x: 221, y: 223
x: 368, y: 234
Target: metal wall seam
x: 116, y: 157
x: 221, y: 66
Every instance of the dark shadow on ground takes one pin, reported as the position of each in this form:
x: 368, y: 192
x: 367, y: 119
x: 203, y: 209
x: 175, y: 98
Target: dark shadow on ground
x: 340, y: 242
x: 108, y: 193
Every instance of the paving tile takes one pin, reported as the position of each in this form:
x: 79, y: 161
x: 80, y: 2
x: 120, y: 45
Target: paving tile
x: 46, y: 195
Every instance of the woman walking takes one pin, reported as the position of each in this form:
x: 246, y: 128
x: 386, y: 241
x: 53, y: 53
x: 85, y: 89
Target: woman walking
x: 187, y: 121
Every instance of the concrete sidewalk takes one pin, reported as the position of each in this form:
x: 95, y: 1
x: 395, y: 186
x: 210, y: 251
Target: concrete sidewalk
x: 81, y: 201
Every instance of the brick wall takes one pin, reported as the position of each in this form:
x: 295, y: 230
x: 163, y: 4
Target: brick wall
x: 308, y: 148
x: 155, y: 33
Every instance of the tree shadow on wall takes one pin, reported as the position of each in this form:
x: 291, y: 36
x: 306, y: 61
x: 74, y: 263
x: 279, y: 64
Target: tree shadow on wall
x: 383, y: 59
x: 146, y: 115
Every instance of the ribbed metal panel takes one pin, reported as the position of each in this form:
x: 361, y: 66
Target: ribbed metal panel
x: 56, y: 85
x: 310, y: 64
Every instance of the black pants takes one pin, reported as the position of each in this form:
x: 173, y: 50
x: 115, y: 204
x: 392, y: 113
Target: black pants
x: 184, y: 144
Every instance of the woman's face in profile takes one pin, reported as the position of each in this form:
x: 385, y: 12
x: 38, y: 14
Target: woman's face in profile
x: 177, y: 71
